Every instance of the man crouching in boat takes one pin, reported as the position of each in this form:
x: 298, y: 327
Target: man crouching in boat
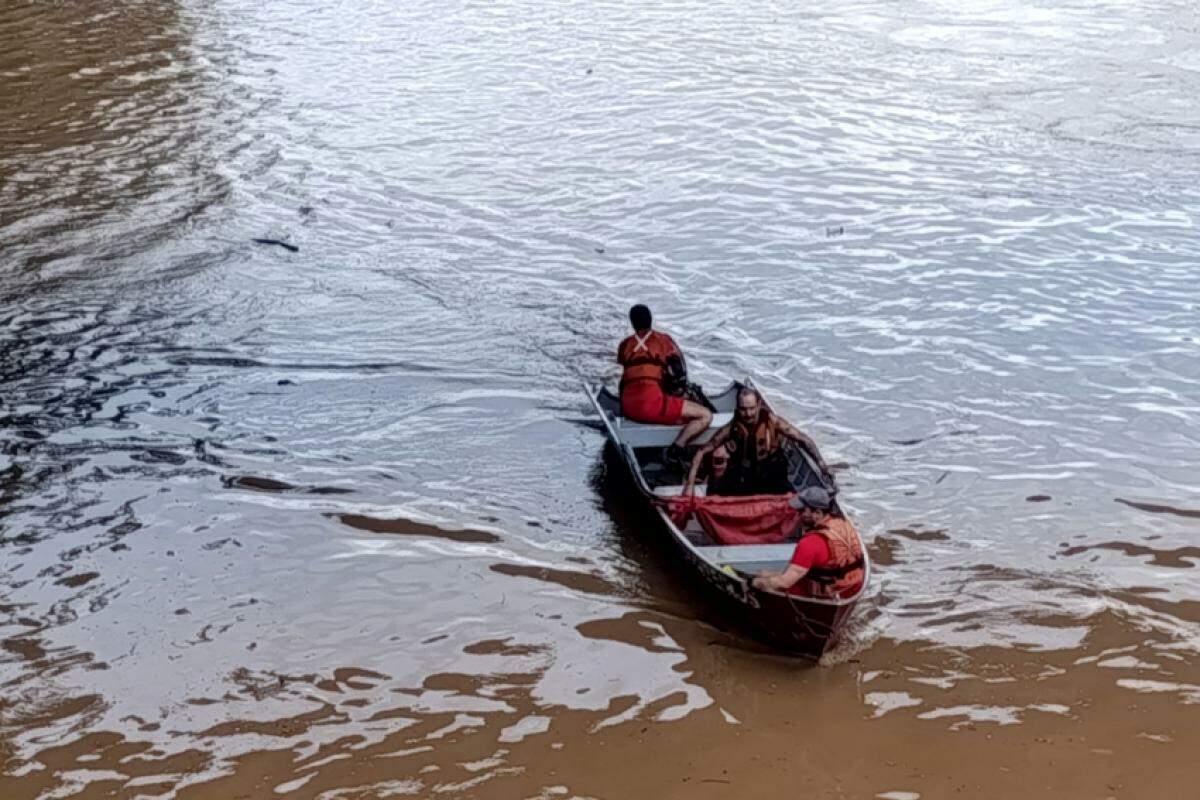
x: 645, y: 356
x: 828, y: 560
x: 753, y: 438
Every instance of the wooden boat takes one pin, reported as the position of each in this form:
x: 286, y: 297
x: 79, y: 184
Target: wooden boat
x: 794, y: 624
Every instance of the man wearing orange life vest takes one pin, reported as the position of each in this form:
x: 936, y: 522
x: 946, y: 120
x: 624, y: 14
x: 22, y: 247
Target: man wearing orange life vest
x: 752, y: 438
x: 828, y: 560
x: 644, y: 355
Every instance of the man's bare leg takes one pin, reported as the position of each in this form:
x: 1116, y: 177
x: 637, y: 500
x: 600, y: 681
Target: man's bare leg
x: 696, y: 420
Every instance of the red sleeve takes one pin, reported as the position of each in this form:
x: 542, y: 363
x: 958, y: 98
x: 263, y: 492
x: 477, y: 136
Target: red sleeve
x: 811, y: 551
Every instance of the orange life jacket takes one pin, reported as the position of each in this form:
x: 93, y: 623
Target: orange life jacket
x: 644, y: 357
x: 843, y: 574
x: 761, y: 433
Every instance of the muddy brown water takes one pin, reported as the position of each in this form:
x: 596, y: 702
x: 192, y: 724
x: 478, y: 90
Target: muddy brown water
x: 335, y: 522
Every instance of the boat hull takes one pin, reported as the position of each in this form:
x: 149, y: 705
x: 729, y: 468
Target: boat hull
x: 790, y: 624
x: 785, y: 622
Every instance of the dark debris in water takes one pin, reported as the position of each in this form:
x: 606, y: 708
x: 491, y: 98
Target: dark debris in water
x: 219, y: 543
x: 291, y: 247
x: 77, y: 580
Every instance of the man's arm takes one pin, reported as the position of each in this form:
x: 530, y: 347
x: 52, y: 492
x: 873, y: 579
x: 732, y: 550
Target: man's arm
x: 789, y: 430
x: 716, y: 441
x: 785, y: 428
x: 811, y: 551
x: 780, y: 581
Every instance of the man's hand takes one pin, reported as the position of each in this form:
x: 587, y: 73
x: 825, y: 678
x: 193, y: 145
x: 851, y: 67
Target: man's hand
x: 764, y: 580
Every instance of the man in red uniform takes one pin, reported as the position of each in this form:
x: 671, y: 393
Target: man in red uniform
x: 828, y: 560
x: 644, y: 355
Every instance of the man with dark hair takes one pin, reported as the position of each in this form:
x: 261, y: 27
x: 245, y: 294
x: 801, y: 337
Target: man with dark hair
x: 753, y: 438
x: 646, y: 356
x: 828, y: 557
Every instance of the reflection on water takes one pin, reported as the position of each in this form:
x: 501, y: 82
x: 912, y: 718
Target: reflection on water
x: 103, y: 152
x: 336, y: 522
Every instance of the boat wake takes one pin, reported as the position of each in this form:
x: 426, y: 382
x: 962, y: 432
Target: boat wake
x: 865, y: 627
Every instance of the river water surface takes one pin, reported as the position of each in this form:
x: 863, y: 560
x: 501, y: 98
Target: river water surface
x: 336, y: 522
